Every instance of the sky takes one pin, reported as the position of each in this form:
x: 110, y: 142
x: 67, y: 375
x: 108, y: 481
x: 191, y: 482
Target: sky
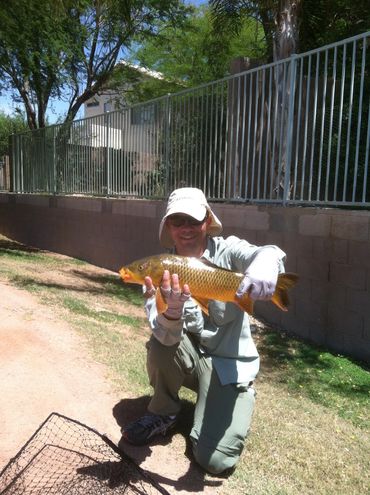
x: 57, y: 108
x: 5, y: 105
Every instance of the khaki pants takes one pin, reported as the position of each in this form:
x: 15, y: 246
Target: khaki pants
x: 222, y: 414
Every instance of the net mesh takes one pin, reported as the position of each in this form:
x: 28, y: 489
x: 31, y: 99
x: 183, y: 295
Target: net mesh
x: 65, y: 456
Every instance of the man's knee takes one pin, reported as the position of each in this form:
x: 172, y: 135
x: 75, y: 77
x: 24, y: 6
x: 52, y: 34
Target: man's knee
x: 215, y: 461
x: 178, y: 356
x: 159, y: 355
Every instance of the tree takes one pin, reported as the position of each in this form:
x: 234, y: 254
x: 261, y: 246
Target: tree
x: 68, y: 49
x: 10, y: 124
x: 328, y: 21
x: 194, y: 54
x: 293, y: 26
x: 280, y: 21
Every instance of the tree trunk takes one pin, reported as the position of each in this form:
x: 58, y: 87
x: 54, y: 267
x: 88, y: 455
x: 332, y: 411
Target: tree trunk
x: 285, y: 45
x: 287, y: 29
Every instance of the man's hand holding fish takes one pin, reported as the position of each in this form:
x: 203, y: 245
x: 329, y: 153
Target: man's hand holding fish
x: 172, y: 295
x: 261, y: 276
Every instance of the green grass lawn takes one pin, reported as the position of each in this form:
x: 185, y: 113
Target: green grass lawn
x: 310, y: 431
x: 331, y: 380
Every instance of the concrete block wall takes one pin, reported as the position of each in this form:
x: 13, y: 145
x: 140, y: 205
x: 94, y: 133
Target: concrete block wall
x: 329, y: 249
x: 104, y: 232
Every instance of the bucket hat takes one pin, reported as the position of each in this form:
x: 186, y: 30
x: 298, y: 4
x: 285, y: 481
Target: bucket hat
x: 188, y: 201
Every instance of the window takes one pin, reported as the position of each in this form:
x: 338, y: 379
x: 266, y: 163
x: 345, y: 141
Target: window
x: 107, y: 106
x: 143, y: 115
x: 93, y: 103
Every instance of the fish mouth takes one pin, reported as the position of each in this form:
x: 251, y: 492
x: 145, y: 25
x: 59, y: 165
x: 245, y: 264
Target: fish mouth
x: 125, y: 274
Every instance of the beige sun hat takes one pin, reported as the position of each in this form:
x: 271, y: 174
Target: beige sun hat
x: 189, y: 201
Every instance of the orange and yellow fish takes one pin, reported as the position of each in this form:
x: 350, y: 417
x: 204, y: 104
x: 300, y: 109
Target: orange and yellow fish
x: 206, y: 281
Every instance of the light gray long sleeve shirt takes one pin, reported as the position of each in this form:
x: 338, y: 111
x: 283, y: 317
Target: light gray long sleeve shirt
x: 225, y: 334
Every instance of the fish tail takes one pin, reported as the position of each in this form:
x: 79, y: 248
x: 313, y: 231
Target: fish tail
x: 280, y: 298
x: 285, y: 282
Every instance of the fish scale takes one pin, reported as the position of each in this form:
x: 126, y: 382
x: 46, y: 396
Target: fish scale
x: 206, y: 281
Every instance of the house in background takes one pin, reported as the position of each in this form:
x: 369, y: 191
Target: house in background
x: 125, y: 141
x: 110, y: 100
x: 101, y: 103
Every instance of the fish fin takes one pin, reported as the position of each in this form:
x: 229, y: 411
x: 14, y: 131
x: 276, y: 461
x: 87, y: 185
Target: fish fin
x: 162, y: 306
x: 202, y: 303
x: 245, y: 303
x: 285, y: 281
x: 208, y: 263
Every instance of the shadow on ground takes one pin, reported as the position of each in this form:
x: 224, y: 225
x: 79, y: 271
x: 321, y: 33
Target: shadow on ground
x: 194, y: 479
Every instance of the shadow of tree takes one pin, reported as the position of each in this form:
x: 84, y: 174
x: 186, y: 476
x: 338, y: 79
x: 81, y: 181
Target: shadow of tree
x: 132, y: 295
x: 335, y: 381
x: 9, y: 245
x: 111, y: 284
x: 279, y: 348
x: 27, y: 281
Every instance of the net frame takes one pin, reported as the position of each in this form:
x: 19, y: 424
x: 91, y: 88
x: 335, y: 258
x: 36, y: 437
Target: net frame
x: 65, y: 456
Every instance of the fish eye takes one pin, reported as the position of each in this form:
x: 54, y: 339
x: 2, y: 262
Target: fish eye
x: 141, y: 267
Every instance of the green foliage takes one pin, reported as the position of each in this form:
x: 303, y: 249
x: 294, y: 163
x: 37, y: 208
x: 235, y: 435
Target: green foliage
x: 328, y: 21
x: 9, y: 125
x: 69, y: 49
x: 309, y: 23
x: 36, y: 41
x: 194, y: 54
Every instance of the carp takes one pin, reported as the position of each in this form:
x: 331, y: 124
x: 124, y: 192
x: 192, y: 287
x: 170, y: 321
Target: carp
x: 206, y: 281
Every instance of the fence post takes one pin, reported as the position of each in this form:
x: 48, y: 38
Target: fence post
x: 11, y: 162
x: 55, y: 191
x: 17, y: 163
x: 108, y: 161
x: 289, y: 136
x: 167, y: 131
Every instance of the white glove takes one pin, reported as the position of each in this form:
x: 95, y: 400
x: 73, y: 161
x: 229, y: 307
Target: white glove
x: 175, y: 301
x: 173, y: 296
x: 261, y: 276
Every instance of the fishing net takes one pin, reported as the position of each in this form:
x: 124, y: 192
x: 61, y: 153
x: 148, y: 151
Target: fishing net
x: 65, y: 456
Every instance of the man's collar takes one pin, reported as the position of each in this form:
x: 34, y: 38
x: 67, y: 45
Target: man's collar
x: 209, y: 252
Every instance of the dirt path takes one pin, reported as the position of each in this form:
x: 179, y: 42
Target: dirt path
x: 43, y: 370
x: 45, y: 367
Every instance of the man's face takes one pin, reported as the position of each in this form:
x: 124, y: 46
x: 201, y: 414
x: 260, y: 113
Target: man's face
x: 188, y: 235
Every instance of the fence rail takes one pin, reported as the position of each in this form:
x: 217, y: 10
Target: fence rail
x: 4, y: 173
x: 292, y: 132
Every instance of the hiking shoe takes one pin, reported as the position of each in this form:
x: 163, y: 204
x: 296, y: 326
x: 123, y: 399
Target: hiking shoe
x: 145, y: 428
